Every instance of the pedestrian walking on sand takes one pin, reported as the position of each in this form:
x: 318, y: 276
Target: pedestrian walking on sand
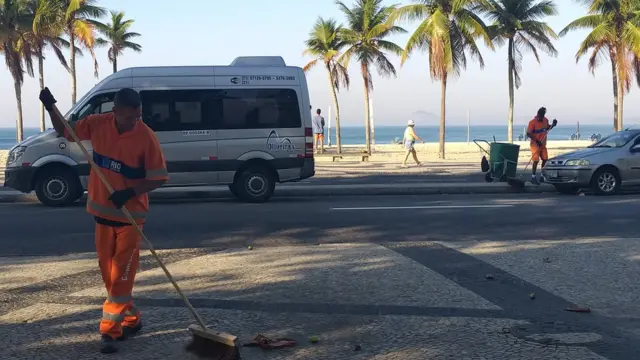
x: 409, y: 140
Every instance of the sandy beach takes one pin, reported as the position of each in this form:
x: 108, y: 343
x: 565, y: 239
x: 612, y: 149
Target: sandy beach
x: 428, y: 152
x: 462, y: 151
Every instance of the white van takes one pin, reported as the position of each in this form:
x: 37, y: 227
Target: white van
x: 246, y: 125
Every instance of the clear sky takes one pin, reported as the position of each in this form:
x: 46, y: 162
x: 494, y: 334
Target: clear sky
x: 214, y: 32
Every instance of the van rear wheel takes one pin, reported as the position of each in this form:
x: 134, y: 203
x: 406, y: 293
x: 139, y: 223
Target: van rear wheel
x: 255, y: 185
x: 58, y: 187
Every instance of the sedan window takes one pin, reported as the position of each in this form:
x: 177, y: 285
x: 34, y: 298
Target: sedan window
x: 615, y: 140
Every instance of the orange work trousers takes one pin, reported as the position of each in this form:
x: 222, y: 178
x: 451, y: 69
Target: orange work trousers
x: 118, y: 256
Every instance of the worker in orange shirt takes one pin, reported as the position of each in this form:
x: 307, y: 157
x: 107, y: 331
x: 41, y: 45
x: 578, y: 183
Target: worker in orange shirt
x: 537, y: 131
x: 129, y: 155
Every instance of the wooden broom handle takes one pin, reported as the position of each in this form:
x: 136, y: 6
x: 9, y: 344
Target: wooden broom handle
x: 130, y: 218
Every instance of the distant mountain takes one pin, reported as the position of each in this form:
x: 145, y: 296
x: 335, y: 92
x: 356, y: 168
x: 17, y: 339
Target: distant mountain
x: 425, y: 118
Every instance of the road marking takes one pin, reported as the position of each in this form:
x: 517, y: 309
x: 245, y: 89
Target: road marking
x: 423, y: 207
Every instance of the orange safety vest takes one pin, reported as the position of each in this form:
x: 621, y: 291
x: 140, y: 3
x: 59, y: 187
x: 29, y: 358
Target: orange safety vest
x: 538, y: 129
x: 125, y: 160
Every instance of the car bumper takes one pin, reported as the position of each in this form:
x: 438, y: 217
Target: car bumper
x: 308, y: 168
x: 19, y: 178
x: 572, y: 176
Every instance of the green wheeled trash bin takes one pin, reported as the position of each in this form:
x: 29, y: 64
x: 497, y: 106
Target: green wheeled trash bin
x: 503, y: 160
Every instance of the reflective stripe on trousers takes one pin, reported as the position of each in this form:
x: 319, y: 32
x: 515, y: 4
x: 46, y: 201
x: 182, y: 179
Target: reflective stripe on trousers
x: 118, y: 256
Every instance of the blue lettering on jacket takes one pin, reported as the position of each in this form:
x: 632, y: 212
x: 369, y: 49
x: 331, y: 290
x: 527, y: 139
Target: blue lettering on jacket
x: 119, y: 167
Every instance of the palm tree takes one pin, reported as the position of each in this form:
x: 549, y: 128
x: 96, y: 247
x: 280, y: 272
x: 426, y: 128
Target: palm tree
x: 365, y: 40
x: 79, y: 26
x: 448, y: 30
x: 517, y: 22
x: 325, y: 45
x: 614, y: 29
x: 48, y: 26
x: 15, y: 23
x: 117, y: 37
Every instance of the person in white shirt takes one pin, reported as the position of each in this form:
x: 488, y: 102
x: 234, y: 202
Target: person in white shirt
x: 318, y: 131
x: 408, y: 141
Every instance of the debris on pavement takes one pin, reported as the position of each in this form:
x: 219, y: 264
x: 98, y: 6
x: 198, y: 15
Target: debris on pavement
x: 489, y: 277
x: 250, y: 247
x: 268, y: 344
x: 532, y: 295
x: 313, y: 339
x: 357, y: 348
x: 547, y: 260
x: 579, y: 310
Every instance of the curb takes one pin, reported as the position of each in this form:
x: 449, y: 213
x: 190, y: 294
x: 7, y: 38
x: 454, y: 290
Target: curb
x: 323, y: 190
x: 17, y: 197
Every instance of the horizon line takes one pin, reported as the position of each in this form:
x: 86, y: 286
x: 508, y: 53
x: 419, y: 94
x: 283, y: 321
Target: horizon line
x: 388, y: 125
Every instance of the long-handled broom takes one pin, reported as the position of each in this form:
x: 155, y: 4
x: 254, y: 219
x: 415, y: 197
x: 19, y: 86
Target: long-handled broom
x: 205, y: 342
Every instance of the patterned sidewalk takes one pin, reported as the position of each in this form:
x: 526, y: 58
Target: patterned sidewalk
x: 400, y: 301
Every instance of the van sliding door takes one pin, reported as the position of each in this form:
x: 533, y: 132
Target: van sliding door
x: 183, y: 124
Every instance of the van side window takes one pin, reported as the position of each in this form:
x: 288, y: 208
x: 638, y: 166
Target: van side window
x: 258, y: 109
x: 176, y: 110
x: 99, y: 104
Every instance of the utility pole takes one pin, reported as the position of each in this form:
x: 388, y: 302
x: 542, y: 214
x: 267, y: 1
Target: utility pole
x: 371, y: 124
x: 468, y: 125
x: 329, y: 127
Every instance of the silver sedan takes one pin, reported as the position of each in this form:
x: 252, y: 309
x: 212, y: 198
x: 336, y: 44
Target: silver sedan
x: 604, y: 166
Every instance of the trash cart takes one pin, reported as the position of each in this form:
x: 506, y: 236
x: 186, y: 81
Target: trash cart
x: 503, y: 160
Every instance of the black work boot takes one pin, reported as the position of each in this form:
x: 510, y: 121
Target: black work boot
x: 107, y: 344
x: 129, y: 331
x: 534, y: 180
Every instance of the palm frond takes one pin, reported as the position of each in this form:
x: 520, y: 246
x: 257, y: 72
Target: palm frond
x: 585, y: 22
x: 310, y: 65
x: 599, y: 52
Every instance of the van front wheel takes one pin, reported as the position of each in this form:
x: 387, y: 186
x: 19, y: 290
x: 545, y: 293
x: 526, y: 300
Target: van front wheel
x: 57, y: 187
x: 234, y: 190
x: 255, y: 185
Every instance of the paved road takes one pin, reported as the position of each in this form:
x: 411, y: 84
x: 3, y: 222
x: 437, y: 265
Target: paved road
x: 31, y: 229
x: 381, y: 174
x: 428, y: 277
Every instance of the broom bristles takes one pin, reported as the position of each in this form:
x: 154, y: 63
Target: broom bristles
x: 212, y: 344
x: 209, y: 349
x: 516, y: 183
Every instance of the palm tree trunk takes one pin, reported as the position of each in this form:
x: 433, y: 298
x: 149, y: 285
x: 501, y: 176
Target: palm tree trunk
x: 19, y: 130
x: 443, y: 105
x: 72, y: 66
x: 620, y: 103
x: 41, y: 78
x: 614, y: 76
x: 511, y: 67
x: 367, y: 124
x: 337, y: 107
x: 115, y: 64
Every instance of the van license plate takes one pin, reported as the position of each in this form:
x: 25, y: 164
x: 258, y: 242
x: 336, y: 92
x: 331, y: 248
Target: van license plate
x: 552, y: 174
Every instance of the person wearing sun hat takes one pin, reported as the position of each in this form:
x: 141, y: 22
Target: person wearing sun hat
x: 408, y: 141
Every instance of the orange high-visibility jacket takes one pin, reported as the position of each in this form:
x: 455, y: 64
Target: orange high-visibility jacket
x: 125, y: 160
x: 538, y: 129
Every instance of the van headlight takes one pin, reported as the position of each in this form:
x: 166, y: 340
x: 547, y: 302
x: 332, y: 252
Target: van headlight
x: 15, y: 154
x: 581, y: 162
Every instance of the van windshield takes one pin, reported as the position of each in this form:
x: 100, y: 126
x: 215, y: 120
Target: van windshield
x: 67, y: 116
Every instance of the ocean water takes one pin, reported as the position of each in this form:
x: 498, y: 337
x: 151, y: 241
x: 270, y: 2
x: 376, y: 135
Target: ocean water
x: 352, y: 135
